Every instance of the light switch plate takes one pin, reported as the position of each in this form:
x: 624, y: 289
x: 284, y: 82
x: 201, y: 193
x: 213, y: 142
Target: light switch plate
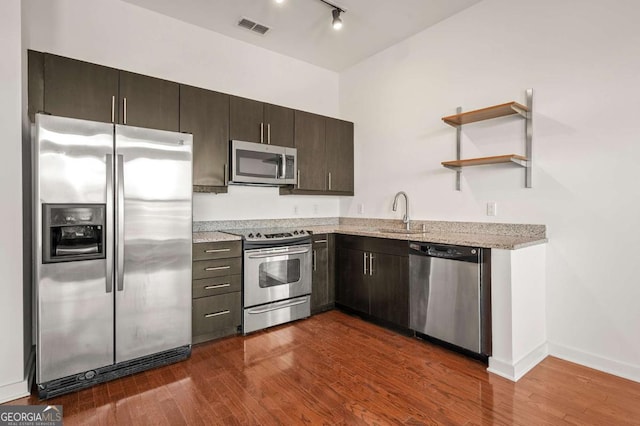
x: 492, y: 208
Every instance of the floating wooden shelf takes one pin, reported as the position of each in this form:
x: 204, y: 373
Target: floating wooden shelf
x: 510, y: 158
x: 502, y: 110
x: 488, y: 113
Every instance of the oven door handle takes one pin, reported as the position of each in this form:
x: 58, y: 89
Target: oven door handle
x: 273, y: 307
x: 278, y: 253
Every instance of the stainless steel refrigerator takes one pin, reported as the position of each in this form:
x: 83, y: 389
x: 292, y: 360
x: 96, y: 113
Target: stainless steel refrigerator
x: 112, y: 261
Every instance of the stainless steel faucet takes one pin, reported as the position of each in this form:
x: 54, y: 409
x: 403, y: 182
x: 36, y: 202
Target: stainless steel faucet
x: 405, y: 218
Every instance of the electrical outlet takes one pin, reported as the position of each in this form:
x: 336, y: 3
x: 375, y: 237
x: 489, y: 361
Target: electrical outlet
x: 295, y: 210
x: 360, y: 208
x: 492, y: 208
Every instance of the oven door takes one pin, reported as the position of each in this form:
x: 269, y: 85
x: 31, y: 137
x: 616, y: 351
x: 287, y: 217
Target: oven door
x: 278, y: 273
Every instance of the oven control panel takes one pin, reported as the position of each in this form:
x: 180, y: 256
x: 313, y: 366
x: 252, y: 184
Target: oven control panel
x: 276, y: 235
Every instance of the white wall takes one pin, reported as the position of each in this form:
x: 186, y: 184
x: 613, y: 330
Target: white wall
x: 12, y: 360
x: 124, y: 36
x: 580, y: 57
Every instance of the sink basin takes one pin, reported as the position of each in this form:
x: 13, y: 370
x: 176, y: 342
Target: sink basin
x: 399, y: 231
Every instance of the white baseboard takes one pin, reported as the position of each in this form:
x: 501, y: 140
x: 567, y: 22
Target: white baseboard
x: 14, y: 391
x: 518, y: 369
x: 22, y: 388
x: 617, y: 368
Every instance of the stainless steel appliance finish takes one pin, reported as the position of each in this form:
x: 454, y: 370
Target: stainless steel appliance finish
x: 277, y: 277
x: 276, y: 273
x: 98, y: 318
x: 271, y: 314
x: 450, y: 295
x: 262, y: 164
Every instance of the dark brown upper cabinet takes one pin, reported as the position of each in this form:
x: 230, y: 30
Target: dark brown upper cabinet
x: 149, y: 102
x: 325, y: 155
x: 246, y: 122
x: 339, y: 155
x: 79, y: 89
x: 35, y: 65
x: 254, y: 121
x: 310, y: 143
x: 279, y: 121
x: 205, y: 114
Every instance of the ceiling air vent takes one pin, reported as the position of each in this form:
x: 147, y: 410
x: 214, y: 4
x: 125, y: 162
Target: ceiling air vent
x: 253, y: 26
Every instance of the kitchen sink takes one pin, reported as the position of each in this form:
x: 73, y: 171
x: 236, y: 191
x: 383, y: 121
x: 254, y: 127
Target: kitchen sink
x: 400, y: 231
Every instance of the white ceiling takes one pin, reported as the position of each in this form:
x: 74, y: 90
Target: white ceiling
x: 302, y: 28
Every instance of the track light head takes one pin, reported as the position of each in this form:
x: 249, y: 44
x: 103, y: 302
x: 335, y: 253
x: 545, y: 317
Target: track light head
x: 337, y: 22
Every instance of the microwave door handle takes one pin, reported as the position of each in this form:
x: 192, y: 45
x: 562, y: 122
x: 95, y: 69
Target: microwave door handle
x: 283, y: 173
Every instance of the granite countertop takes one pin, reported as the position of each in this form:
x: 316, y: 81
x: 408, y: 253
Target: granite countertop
x: 504, y: 236
x: 506, y: 242
x: 213, y: 236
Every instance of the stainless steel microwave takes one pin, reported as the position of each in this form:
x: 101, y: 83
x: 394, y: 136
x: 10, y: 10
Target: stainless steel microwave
x: 262, y: 164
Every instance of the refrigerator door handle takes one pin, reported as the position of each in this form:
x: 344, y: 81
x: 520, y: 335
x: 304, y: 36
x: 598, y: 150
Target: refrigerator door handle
x: 119, y: 245
x: 109, y: 224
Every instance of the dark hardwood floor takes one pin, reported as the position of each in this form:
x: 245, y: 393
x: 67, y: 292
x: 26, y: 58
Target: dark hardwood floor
x: 336, y: 369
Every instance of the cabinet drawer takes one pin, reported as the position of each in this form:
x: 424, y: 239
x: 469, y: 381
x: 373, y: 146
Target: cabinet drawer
x: 218, y: 285
x: 216, y: 316
x: 216, y: 268
x: 217, y: 250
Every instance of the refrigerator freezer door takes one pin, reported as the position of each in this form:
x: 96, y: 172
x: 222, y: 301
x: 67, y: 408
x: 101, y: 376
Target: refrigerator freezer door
x: 153, y: 257
x: 72, y: 164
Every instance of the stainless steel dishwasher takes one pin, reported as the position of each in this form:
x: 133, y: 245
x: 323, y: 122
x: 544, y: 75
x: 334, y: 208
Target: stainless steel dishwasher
x: 450, y: 295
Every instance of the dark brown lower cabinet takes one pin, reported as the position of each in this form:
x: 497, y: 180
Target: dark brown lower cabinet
x: 352, y: 282
x: 323, y: 283
x: 216, y: 289
x: 373, y: 278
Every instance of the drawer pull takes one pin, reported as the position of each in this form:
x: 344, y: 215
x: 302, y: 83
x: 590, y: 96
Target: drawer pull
x: 320, y: 241
x: 217, y: 268
x: 212, y: 287
x: 217, y: 314
x: 223, y: 250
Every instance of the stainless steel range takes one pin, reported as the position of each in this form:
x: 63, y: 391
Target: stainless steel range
x: 277, y: 277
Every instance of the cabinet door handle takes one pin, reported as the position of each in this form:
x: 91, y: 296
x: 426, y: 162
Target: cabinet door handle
x: 213, y: 287
x: 217, y: 250
x: 269, y: 133
x: 226, y: 176
x: 217, y: 314
x: 370, y: 264
x: 217, y: 268
x: 314, y: 261
x: 298, y: 179
x: 124, y: 111
x: 113, y: 109
x: 365, y: 263
x: 319, y: 241
x: 261, y: 132
x: 329, y: 181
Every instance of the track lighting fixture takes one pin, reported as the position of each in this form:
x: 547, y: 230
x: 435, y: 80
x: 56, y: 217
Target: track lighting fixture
x: 337, y: 22
x: 335, y: 13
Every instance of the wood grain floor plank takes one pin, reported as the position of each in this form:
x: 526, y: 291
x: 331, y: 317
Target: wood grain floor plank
x: 336, y: 369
